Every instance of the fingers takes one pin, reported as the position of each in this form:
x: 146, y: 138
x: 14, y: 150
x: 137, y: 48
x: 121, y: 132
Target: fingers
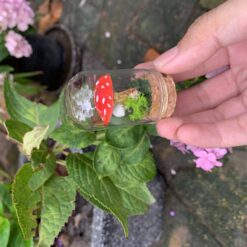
x: 229, y: 109
x: 227, y: 133
x: 218, y: 60
x: 210, y: 93
x: 232, y: 108
x: 219, y: 28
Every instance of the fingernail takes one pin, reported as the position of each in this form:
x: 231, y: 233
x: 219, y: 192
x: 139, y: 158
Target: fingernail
x: 167, y: 57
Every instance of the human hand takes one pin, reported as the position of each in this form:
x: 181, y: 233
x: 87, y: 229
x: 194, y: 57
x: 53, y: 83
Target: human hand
x: 213, y: 113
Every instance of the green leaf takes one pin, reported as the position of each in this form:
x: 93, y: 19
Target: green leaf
x: 16, y: 239
x: 151, y: 129
x: 1, y: 208
x: 29, y: 89
x: 141, y: 172
x: 4, y: 231
x: 6, y: 69
x: 3, y: 51
x: 101, y: 192
x: 30, y: 113
x: 38, y: 156
x: 106, y: 159
x: 135, y: 154
x: 25, y: 201
x: 42, y: 175
x: 71, y: 136
x: 211, y: 4
x: 33, y: 138
x: 16, y: 130
x: 124, y: 137
x: 5, y: 197
x: 58, y: 202
x: 26, y: 74
x: 136, y: 199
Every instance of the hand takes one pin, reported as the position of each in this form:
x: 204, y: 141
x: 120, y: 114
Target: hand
x: 214, y: 113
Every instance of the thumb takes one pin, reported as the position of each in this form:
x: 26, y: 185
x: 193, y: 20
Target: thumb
x: 219, y: 28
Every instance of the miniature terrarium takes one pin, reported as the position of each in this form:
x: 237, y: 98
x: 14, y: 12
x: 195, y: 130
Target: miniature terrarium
x: 100, y: 99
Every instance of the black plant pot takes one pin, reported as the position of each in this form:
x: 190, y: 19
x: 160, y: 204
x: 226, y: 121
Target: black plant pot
x: 53, y: 53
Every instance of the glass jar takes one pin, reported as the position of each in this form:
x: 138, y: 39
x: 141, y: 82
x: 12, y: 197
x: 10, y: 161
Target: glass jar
x: 99, y: 99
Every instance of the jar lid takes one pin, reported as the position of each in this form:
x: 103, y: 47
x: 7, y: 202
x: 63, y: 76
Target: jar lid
x: 171, y: 95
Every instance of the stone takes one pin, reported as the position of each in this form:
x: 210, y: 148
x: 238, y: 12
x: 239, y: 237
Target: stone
x: 144, y: 230
x: 211, y: 208
x: 210, y: 4
x: 80, y: 19
x: 9, y: 158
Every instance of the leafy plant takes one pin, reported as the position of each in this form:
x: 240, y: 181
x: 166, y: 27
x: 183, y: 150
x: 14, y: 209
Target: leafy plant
x: 137, y: 106
x: 10, y: 232
x: 114, y: 177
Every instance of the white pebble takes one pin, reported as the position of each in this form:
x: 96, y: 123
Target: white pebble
x: 173, y: 172
x: 119, y: 110
x: 107, y: 34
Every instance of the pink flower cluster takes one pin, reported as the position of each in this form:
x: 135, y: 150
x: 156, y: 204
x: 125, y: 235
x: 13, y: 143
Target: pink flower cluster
x: 206, y: 158
x: 17, y: 45
x: 15, y: 13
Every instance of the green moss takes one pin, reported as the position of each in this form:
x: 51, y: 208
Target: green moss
x: 137, y: 106
x: 143, y: 87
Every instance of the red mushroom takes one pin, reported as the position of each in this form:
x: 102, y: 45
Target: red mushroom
x: 103, y: 98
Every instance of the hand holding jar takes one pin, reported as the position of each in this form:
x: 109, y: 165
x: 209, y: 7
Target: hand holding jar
x: 214, y: 113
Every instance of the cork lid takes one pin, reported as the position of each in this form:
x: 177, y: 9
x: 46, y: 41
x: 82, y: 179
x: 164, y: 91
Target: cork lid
x: 164, y: 96
x: 171, y: 95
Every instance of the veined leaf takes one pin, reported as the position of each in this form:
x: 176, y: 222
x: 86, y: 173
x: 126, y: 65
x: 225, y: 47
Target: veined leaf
x: 16, y: 130
x: 101, y: 192
x: 106, y: 159
x: 1, y: 208
x: 40, y: 176
x: 73, y: 137
x: 124, y: 137
x: 135, y: 154
x: 39, y: 156
x: 25, y: 201
x: 4, y: 231
x: 141, y: 172
x: 16, y: 238
x: 27, y: 112
x: 6, y: 69
x: 5, y: 197
x: 136, y: 199
x: 151, y: 129
x: 33, y: 138
x: 58, y: 202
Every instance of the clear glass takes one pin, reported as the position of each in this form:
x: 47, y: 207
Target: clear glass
x: 99, y: 99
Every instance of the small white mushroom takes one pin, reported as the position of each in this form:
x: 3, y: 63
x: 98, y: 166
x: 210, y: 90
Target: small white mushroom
x: 119, y: 110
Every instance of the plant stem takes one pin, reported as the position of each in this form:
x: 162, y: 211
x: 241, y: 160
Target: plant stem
x: 61, y: 162
x: 5, y: 174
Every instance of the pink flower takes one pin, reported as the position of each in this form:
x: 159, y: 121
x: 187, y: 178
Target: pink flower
x: 207, y: 158
x: 15, y: 13
x: 17, y: 45
x: 180, y: 146
x: 7, y: 15
x: 25, y: 15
